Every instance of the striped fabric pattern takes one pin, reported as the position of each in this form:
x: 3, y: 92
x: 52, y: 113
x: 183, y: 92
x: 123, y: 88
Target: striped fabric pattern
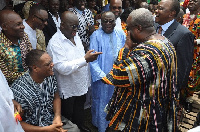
x: 36, y: 100
x: 145, y: 95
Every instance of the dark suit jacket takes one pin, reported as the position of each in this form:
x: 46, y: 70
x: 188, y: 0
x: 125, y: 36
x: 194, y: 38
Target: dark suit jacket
x: 183, y: 41
x: 50, y: 29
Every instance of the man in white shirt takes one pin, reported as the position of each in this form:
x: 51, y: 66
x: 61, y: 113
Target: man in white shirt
x: 71, y: 68
x: 7, y: 120
x: 37, y: 19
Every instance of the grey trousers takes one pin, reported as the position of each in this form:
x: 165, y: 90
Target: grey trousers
x: 68, y: 125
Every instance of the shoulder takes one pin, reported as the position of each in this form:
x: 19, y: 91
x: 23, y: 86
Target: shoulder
x: 21, y: 83
x: 119, y: 30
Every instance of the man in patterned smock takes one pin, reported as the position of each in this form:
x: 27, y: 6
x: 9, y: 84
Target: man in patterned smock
x: 37, y: 93
x: 86, y: 22
x: 145, y: 78
x: 14, y: 45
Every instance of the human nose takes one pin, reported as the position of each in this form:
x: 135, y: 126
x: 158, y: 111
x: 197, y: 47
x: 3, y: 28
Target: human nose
x: 22, y: 26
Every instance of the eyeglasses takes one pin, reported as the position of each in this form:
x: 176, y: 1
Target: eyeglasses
x: 43, y: 20
x: 108, y: 21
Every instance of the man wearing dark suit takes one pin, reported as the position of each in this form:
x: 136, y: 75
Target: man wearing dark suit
x: 180, y: 36
x: 53, y: 20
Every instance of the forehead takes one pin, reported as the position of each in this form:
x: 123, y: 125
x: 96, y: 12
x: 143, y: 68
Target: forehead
x: 116, y: 3
x: 165, y: 4
x: 42, y: 13
x: 71, y: 19
x: 45, y: 58
x: 108, y: 16
x: 13, y: 18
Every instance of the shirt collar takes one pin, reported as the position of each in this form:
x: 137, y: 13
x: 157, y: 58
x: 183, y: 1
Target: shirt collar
x: 166, y: 25
x: 62, y: 37
x: 5, y: 40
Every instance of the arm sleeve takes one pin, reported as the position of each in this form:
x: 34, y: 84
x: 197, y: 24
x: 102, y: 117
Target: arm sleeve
x: 118, y: 76
x: 185, y: 49
x: 61, y: 64
x: 96, y: 71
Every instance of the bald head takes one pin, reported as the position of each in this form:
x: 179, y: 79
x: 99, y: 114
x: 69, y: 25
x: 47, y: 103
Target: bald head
x: 69, y: 24
x: 115, y: 1
x: 68, y: 16
x: 6, y: 16
x: 12, y: 25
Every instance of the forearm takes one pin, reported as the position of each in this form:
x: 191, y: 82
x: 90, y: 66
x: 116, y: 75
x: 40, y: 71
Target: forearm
x: 57, y: 105
x: 31, y: 128
x: 68, y: 67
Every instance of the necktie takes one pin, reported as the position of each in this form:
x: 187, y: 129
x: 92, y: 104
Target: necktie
x: 159, y: 30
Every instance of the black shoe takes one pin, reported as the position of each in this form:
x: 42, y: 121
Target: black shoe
x: 84, y: 129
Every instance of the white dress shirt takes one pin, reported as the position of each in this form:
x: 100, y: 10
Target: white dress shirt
x: 7, y: 120
x: 166, y: 26
x: 70, y: 66
x: 31, y: 34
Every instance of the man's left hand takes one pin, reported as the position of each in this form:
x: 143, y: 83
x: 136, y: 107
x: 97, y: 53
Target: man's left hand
x: 17, y: 106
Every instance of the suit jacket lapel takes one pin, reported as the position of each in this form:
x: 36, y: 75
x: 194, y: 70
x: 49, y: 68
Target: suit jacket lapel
x: 51, y: 22
x: 171, y: 29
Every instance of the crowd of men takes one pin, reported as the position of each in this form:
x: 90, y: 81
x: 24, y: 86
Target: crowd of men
x: 135, y: 63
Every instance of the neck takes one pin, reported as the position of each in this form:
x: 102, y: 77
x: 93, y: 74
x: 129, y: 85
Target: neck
x: 28, y: 21
x: 36, y: 78
x: 12, y: 39
x: 149, y: 36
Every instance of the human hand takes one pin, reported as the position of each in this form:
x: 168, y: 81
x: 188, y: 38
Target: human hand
x: 17, y: 107
x: 90, y: 57
x: 53, y: 128
x: 57, y: 120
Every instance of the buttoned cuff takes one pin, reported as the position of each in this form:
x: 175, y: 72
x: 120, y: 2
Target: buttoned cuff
x: 198, y: 41
x: 82, y: 62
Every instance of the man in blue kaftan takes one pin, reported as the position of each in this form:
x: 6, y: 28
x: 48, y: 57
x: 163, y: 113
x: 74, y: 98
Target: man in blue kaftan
x: 108, y: 40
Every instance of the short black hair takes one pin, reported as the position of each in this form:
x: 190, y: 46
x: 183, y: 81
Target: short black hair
x: 33, y: 57
x: 175, y: 6
x: 35, y: 9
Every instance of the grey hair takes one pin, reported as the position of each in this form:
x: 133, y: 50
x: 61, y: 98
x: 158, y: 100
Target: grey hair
x: 142, y: 17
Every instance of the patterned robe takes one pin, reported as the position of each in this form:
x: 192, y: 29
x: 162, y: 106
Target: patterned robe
x: 145, y: 95
x: 194, y: 79
x: 12, y: 56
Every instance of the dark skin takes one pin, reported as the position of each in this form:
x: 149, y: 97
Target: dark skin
x: 139, y: 34
x: 12, y: 25
x: 80, y: 4
x: 39, y: 71
x: 116, y: 7
x: 54, y: 6
x: 108, y: 22
x: 69, y: 24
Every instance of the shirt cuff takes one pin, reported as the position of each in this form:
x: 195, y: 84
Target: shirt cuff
x: 82, y: 62
x: 198, y: 41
